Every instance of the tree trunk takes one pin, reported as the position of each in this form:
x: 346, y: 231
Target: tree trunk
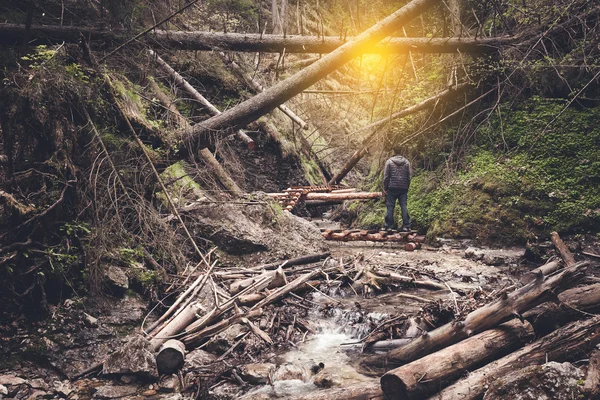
x: 544, y: 270
x: 368, y: 390
x: 592, y: 380
x: 424, y: 376
x: 209, y: 159
x: 313, y: 258
x: 277, y: 280
x: 362, y: 151
x: 12, y: 34
x: 170, y: 357
x: 562, y: 248
x: 565, y: 343
x: 254, y: 108
x: 243, y: 136
x: 479, y: 320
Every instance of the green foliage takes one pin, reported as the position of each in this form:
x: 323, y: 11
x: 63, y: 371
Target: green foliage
x: 524, y: 178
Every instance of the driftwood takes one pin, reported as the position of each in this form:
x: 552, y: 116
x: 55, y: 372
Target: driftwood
x: 572, y: 304
x: 11, y: 34
x: 277, y: 278
x: 544, y: 270
x: 371, y: 235
x: 293, y: 285
x: 313, y: 258
x: 380, y: 276
x: 565, y: 343
x: 170, y: 357
x: 479, y: 320
x: 195, y: 338
x: 362, y: 151
x: 262, y: 103
x: 424, y: 376
x: 562, y: 248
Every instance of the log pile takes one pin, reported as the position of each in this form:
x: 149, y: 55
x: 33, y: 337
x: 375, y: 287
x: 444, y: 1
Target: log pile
x: 290, y: 197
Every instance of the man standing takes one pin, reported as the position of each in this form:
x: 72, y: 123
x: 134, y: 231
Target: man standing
x: 396, y: 181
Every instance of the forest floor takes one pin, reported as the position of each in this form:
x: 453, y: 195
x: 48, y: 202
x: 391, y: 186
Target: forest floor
x: 41, y: 355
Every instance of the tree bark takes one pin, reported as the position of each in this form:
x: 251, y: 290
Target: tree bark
x: 368, y: 390
x: 565, y: 343
x: 562, y: 248
x: 254, y: 108
x: 479, y: 320
x: 277, y: 280
x: 170, y: 357
x: 313, y: 258
x: 424, y: 376
x: 362, y: 151
x: 205, y: 154
x: 240, y: 134
x: 592, y: 381
x: 544, y: 270
x: 12, y: 34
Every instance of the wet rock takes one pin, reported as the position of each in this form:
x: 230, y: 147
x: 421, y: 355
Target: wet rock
x: 226, y: 390
x: 63, y: 388
x: 134, y: 358
x: 169, y: 384
x: 337, y: 376
x: 90, y: 321
x: 3, y: 390
x: 11, y: 380
x: 129, y: 310
x: 257, y: 373
x: 149, y: 392
x: 38, y: 383
x: 37, y: 394
x: 114, y: 392
x: 551, y: 381
x: 472, y: 253
x: 288, y: 372
x: 224, y: 340
x: 127, y: 379
x: 197, y: 358
x: 116, y: 280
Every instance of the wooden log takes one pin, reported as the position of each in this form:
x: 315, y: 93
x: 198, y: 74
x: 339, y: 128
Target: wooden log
x: 397, y: 278
x: 572, y: 304
x: 362, y: 151
x: 544, y: 270
x: 424, y: 376
x: 591, y: 387
x: 277, y: 279
x: 194, y: 338
x: 344, y: 196
x: 262, y: 103
x: 368, y: 390
x: 170, y: 357
x: 482, y: 319
x: 309, y: 259
x: 12, y: 34
x: 562, y: 248
x: 281, y: 292
x: 243, y: 136
x: 565, y: 343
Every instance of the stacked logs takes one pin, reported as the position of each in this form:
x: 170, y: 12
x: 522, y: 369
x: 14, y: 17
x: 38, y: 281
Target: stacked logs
x: 412, y: 240
x: 319, y: 195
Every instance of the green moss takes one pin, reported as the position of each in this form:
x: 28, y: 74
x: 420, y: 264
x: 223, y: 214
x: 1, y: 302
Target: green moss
x: 179, y: 184
x: 311, y: 171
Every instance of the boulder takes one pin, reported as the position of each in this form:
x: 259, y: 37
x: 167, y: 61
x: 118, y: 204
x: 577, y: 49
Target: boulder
x: 11, y: 380
x: 134, y: 358
x: 197, y: 358
x: 341, y: 375
x: 89, y: 321
x: 257, y: 373
x: 3, y: 390
x: 551, y: 381
x: 169, y: 384
x: 116, y: 280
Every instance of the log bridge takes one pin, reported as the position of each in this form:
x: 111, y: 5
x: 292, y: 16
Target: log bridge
x: 412, y: 240
x: 324, y: 194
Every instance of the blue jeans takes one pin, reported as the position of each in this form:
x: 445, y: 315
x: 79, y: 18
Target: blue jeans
x: 402, y: 196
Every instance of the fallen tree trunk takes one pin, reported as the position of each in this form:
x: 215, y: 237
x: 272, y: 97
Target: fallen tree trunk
x: 196, y: 337
x: 344, y: 196
x: 592, y: 380
x: 240, y: 134
x: 254, y: 108
x: 424, y: 376
x: 293, y: 285
x: 565, y: 343
x: 362, y: 151
x: 368, y: 390
x: 277, y: 279
x: 562, y: 248
x: 544, y: 270
x: 479, y: 320
x: 205, y: 154
x: 12, y: 34
x: 170, y: 357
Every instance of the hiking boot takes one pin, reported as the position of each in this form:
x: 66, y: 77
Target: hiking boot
x: 405, y: 229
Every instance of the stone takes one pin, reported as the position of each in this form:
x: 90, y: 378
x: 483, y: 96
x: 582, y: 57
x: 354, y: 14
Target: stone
x: 114, y: 392
x: 63, y: 388
x: 89, y: 321
x: 36, y: 394
x: 134, y: 358
x: 169, y: 384
x: 149, y: 392
x: 127, y: 379
x: 257, y: 373
x: 551, y: 381
x: 38, y: 383
x: 11, y: 380
x: 116, y: 280
x: 197, y: 358
x: 288, y: 372
x: 3, y: 390
x: 472, y: 253
x: 338, y: 376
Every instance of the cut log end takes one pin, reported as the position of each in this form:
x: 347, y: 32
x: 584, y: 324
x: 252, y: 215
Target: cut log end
x: 170, y: 357
x: 393, y: 387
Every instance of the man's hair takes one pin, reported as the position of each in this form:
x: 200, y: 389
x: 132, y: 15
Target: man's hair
x: 397, y: 150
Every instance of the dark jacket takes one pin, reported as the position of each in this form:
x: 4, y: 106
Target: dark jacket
x: 396, y: 174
